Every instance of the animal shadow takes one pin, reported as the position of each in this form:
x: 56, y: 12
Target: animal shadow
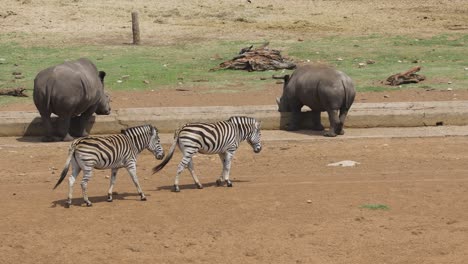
x: 78, y: 201
x: 192, y: 186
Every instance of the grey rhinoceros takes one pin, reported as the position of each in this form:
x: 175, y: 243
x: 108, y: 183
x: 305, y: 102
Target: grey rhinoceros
x: 321, y: 88
x: 74, y: 89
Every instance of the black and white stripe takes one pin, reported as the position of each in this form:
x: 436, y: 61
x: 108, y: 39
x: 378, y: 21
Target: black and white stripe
x: 222, y: 138
x: 110, y: 152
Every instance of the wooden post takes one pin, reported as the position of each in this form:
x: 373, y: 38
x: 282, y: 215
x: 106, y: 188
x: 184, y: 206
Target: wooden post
x: 135, y: 28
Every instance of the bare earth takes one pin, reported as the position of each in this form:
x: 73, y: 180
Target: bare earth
x: 287, y: 205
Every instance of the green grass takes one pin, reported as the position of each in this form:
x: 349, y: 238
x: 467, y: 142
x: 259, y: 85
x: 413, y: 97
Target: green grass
x: 442, y: 57
x: 375, y: 207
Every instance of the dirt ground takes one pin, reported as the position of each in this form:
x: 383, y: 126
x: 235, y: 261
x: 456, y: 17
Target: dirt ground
x: 287, y: 205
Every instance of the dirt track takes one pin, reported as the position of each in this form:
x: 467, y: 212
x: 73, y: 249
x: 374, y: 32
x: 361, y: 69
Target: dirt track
x: 264, y: 218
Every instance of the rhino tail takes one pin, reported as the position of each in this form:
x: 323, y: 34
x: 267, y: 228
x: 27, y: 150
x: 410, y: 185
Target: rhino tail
x: 71, y: 151
x: 349, y: 98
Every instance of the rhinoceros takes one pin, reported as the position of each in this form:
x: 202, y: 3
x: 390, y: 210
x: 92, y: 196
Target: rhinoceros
x: 72, y: 90
x: 321, y: 88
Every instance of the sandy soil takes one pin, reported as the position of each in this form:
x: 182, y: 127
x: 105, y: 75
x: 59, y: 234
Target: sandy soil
x: 266, y: 216
x: 275, y: 213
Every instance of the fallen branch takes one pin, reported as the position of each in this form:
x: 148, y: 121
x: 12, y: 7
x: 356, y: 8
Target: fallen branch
x: 409, y: 76
x: 13, y: 92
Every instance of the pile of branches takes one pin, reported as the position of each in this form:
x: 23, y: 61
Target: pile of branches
x: 259, y: 59
x: 409, y: 76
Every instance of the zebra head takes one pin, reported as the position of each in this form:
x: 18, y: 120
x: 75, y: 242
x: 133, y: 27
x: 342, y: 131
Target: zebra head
x: 254, y: 138
x: 155, y: 145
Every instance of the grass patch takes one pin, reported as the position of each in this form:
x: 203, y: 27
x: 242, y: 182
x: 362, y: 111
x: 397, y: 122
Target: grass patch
x: 375, y: 207
x: 442, y: 59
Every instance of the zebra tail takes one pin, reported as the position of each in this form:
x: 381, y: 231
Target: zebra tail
x: 66, y: 167
x: 168, y: 157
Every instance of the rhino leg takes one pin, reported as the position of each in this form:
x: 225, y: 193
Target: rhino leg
x: 343, y: 114
x: 48, y: 127
x: 63, y: 125
x: 83, y: 121
x: 316, y: 121
x: 335, y: 124
x: 294, y: 121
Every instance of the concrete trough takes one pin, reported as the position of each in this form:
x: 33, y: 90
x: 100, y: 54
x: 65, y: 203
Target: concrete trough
x: 168, y: 119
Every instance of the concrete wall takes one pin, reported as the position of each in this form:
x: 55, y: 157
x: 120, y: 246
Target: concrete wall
x: 167, y: 119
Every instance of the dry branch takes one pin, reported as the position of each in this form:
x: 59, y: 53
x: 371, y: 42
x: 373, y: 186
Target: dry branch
x: 259, y: 59
x: 409, y: 76
x: 13, y: 92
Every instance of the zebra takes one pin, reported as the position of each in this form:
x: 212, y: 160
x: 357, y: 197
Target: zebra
x: 109, y: 152
x: 222, y: 138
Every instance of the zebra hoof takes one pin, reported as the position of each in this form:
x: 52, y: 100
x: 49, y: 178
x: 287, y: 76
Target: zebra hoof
x: 229, y: 183
x: 199, y: 186
x: 219, y: 182
x: 109, y: 198
x: 143, y: 198
x: 88, y: 204
x: 176, y: 188
x: 67, y: 205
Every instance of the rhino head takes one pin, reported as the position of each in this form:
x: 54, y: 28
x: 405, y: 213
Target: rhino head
x: 283, y: 104
x: 103, y: 107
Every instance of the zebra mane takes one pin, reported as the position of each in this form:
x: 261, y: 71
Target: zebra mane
x: 138, y: 130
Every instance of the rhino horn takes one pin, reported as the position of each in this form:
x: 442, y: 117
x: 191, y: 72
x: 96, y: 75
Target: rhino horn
x: 278, y: 100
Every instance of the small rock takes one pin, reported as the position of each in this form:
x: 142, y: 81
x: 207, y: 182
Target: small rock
x: 361, y: 65
x: 386, y: 96
x: 466, y: 68
x: 299, y: 39
x: 449, y: 89
x: 449, y: 82
x: 399, y: 61
x: 107, y: 176
x: 370, y: 61
x: 124, y: 77
x: 309, y: 201
x: 339, y: 59
x: 2, y: 61
x: 119, y: 81
x: 146, y: 81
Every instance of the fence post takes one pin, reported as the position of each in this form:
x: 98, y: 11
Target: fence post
x: 135, y: 28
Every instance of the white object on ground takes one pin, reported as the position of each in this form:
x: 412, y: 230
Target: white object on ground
x: 344, y: 163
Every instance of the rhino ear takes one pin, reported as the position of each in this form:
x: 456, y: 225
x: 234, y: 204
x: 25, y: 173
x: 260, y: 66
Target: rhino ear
x: 102, y: 74
x: 286, y: 79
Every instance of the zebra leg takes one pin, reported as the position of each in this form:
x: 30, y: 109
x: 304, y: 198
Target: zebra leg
x: 227, y: 167
x: 221, y: 180
x: 71, y: 181
x: 87, y: 173
x: 132, y: 171
x: 182, y: 165
x: 194, y: 176
x: 112, y: 183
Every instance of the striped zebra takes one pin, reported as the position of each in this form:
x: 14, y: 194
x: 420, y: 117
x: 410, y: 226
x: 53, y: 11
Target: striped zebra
x: 109, y: 152
x: 222, y: 138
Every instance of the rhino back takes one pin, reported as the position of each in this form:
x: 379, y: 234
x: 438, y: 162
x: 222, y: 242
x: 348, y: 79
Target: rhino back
x: 319, y: 87
x: 68, y: 89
